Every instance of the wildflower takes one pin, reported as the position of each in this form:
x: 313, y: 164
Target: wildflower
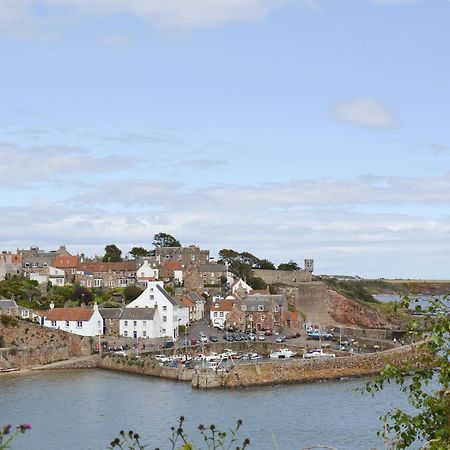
x: 24, y: 427
x: 6, y: 429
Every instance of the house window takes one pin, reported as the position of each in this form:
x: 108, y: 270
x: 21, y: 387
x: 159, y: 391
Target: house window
x: 164, y: 318
x: 215, y: 313
x: 262, y: 318
x: 135, y: 323
x: 151, y: 289
x: 53, y: 323
x: 260, y: 307
x: 142, y: 274
x: 79, y: 324
x: 163, y: 330
x: 125, y: 333
x: 144, y: 324
x: 221, y: 313
x: 67, y: 323
x: 125, y: 323
x: 164, y: 308
x: 144, y: 334
x: 152, y: 297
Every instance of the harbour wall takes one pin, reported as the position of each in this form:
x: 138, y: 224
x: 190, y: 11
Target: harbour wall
x: 301, y: 371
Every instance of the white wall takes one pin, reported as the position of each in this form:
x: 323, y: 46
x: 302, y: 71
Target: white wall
x: 167, y: 312
x: 93, y: 327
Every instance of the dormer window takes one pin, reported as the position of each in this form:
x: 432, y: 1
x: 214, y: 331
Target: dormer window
x: 260, y: 307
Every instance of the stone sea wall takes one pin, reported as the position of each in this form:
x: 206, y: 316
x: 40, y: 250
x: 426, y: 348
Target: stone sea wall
x: 300, y: 371
x: 28, y: 344
x: 145, y: 366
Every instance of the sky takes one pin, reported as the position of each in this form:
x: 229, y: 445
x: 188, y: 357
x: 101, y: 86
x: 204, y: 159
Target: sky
x: 291, y: 129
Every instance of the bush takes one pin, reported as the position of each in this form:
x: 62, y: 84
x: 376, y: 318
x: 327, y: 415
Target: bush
x: 8, y: 320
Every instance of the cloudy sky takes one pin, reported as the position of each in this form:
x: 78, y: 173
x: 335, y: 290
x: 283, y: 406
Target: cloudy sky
x: 288, y: 128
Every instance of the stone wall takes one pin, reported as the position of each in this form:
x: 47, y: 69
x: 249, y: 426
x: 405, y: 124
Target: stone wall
x: 146, y: 366
x: 286, y: 277
x: 28, y: 344
x: 286, y: 372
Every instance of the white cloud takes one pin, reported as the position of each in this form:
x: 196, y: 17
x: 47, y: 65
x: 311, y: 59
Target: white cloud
x: 39, y: 164
x: 19, y: 16
x: 365, y: 112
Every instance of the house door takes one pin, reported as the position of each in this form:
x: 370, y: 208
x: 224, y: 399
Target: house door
x: 135, y: 334
x: 258, y: 326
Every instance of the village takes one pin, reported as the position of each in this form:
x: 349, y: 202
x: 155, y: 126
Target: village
x: 176, y: 307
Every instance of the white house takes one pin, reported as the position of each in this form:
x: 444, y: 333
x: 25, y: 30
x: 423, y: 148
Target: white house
x: 147, y: 272
x: 82, y: 321
x: 165, y: 322
x: 139, y: 323
x: 57, y: 276
x: 220, y: 310
x: 240, y: 286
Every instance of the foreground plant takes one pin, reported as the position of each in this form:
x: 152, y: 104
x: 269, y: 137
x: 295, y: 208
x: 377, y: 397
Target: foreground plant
x: 8, y: 434
x: 427, y: 387
x: 213, y: 438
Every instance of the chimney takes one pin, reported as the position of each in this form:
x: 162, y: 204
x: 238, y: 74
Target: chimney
x: 52, y: 305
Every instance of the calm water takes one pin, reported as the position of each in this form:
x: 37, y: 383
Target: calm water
x: 81, y: 410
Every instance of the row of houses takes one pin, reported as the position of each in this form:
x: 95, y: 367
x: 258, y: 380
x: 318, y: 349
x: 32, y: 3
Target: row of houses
x: 246, y: 309
x: 189, y: 266
x: 153, y: 314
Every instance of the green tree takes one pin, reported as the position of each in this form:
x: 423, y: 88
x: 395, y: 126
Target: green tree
x: 139, y: 251
x: 83, y: 294
x: 427, y: 387
x: 290, y: 266
x: 165, y: 240
x: 131, y: 292
x: 257, y: 283
x: 112, y: 254
x: 265, y: 264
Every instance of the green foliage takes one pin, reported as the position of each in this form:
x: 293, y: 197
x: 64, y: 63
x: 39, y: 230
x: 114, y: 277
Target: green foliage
x: 24, y: 291
x: 266, y: 264
x: 2, y: 341
x: 112, y: 254
x: 165, y: 240
x: 131, y: 292
x: 256, y: 283
x: 82, y: 293
x: 213, y: 438
x: 8, y: 320
x: 351, y: 289
x: 289, y: 266
x: 139, y: 251
x: 427, y: 387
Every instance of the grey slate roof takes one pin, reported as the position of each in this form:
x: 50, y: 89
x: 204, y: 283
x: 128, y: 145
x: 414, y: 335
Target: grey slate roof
x: 6, y: 304
x: 253, y: 304
x: 168, y: 297
x: 110, y: 313
x: 212, y: 268
x: 195, y: 297
x: 138, y: 314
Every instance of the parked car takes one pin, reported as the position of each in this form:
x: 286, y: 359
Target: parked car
x: 214, y: 339
x: 237, y: 337
x: 261, y: 337
x: 268, y: 333
x: 252, y: 336
x: 228, y: 337
x: 203, y: 338
x: 168, y: 344
x: 280, y: 339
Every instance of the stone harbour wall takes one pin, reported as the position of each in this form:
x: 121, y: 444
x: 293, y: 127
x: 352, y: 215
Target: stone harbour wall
x: 301, y: 371
x: 28, y: 344
x: 146, y: 366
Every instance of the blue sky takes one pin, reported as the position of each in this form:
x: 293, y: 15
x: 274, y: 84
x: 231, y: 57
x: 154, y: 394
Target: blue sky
x: 291, y: 129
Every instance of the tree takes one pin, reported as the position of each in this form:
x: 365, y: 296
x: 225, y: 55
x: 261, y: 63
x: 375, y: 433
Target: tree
x: 131, y: 292
x: 139, y: 251
x: 266, y: 264
x: 83, y: 294
x: 257, y: 283
x: 290, y: 266
x: 112, y: 254
x: 165, y: 240
x: 427, y: 387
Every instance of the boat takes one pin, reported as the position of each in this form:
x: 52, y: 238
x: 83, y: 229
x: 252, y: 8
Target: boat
x: 251, y: 356
x: 282, y: 353
x: 317, y: 353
